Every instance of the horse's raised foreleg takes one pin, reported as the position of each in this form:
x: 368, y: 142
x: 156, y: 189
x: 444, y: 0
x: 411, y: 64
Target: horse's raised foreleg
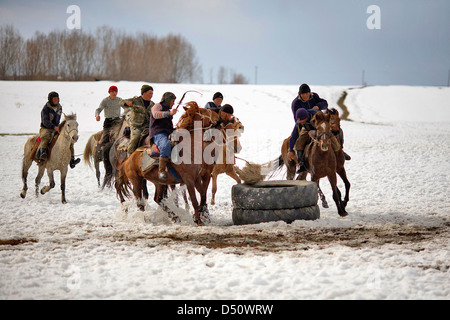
x: 343, y: 174
x: 337, y: 195
x: 51, y: 181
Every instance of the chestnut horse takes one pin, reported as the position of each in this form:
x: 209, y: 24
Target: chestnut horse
x: 189, y: 172
x: 321, y: 161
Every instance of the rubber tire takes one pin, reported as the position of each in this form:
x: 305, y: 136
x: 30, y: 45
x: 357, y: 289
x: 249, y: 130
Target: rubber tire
x: 275, y: 195
x: 245, y: 216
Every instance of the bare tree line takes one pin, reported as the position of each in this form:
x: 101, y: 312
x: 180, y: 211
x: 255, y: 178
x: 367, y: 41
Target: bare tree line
x: 106, y: 54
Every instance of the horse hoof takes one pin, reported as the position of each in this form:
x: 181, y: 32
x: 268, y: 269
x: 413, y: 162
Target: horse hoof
x: 23, y: 194
x: 325, y: 205
x: 64, y: 202
x: 343, y: 214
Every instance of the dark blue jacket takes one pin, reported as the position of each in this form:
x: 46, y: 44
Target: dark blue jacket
x: 314, y: 100
x: 50, y: 118
x: 298, y: 126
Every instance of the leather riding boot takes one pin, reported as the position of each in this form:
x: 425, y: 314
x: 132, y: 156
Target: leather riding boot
x: 74, y: 162
x: 301, y: 164
x: 42, y: 154
x: 163, y: 168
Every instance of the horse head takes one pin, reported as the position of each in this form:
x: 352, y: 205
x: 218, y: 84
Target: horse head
x: 69, y: 127
x: 335, y: 121
x: 323, y: 130
x: 194, y: 113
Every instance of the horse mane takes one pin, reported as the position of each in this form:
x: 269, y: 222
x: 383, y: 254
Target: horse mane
x: 67, y: 117
x: 320, y: 117
x: 333, y: 111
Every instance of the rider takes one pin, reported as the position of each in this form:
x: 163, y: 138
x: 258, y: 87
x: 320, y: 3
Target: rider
x: 300, y: 136
x: 311, y: 101
x: 111, y: 105
x: 50, y: 118
x: 215, y: 105
x: 161, y: 127
x: 140, y: 115
x: 308, y: 100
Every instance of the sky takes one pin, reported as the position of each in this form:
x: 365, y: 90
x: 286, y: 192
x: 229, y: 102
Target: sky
x: 321, y: 42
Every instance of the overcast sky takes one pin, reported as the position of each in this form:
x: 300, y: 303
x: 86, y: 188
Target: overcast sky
x: 322, y: 42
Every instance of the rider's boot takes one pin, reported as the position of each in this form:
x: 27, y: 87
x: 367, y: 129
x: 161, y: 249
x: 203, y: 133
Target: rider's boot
x: 301, y: 164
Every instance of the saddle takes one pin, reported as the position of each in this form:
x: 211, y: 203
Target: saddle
x: 150, y: 157
x: 33, y: 154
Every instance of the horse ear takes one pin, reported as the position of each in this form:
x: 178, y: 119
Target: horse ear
x: 185, y: 108
x: 65, y: 116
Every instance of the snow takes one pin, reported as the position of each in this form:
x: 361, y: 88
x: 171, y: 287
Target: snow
x: 394, y: 244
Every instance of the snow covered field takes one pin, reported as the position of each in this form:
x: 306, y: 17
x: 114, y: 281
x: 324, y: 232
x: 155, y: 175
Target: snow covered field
x: 394, y: 244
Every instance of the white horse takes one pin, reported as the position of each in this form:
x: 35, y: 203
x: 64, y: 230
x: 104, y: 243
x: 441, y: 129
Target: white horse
x: 59, y: 157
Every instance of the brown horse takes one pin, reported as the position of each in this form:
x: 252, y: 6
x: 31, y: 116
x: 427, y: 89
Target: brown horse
x: 190, y: 173
x: 321, y: 160
x: 222, y: 166
x: 335, y: 123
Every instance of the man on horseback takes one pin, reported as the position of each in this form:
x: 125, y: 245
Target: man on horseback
x: 161, y: 127
x: 215, y: 105
x: 140, y: 115
x: 111, y: 106
x: 307, y: 100
x: 50, y: 118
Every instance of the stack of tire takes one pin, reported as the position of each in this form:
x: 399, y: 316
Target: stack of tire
x: 284, y: 200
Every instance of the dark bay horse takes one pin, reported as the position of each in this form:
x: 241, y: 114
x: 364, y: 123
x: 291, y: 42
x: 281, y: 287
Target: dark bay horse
x: 321, y: 161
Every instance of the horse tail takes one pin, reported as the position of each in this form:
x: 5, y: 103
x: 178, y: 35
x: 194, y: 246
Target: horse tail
x: 122, y: 182
x: 88, y: 151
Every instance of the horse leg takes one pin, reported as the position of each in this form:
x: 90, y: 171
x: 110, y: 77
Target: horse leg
x: 202, y: 187
x: 214, y: 188
x: 137, y: 191
x: 97, y: 170
x: 160, y: 196
x: 51, y: 181
x: 63, y: 185
x: 186, y: 201
x: 144, y: 189
x: 37, y: 181
x: 26, y: 164
x: 343, y: 174
x: 336, y: 195
x: 322, y: 197
x: 191, y: 189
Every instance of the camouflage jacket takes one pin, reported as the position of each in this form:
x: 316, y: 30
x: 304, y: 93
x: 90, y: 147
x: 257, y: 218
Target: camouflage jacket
x: 140, y: 114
